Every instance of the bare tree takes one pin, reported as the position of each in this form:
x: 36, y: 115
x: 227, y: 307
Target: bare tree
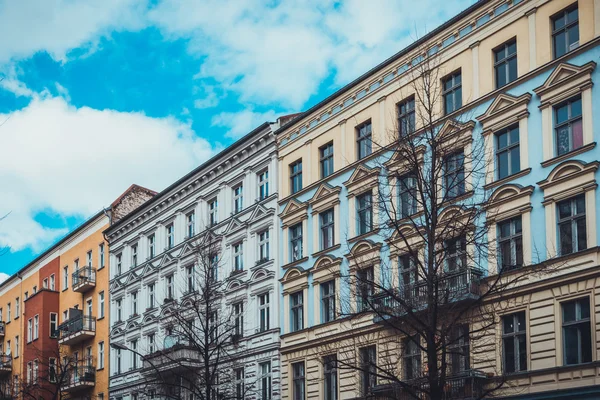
x: 198, y: 359
x: 435, y: 294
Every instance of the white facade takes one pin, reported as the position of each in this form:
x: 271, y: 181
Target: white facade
x: 155, y: 235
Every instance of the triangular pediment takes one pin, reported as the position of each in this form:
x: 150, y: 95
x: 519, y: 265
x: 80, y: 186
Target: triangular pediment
x: 324, y: 191
x: 165, y: 260
x: 233, y: 226
x: 131, y: 277
x: 452, y: 127
x: 564, y: 72
x: 148, y: 269
x: 502, y: 103
x: 187, y: 249
x: 292, y: 206
x: 115, y: 285
x: 259, y: 212
x: 361, y: 172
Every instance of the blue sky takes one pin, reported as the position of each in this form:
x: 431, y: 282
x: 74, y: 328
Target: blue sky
x: 98, y: 94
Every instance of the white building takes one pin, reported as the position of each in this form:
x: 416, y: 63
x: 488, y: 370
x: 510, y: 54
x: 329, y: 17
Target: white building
x: 234, y: 193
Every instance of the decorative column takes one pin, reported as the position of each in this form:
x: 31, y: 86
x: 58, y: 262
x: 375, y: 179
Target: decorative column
x: 532, y: 41
x: 475, y: 56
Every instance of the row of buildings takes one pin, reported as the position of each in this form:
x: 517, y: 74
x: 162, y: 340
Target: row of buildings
x: 317, y: 224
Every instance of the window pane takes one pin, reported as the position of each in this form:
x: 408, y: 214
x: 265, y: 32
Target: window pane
x: 564, y: 209
x: 522, y: 345
x: 571, y: 345
x: 566, y: 244
x: 501, y: 75
x: 502, y: 140
x: 586, y: 343
x: 581, y: 234
x: 503, y: 165
x: 560, y: 44
x: 573, y: 33
x: 577, y: 132
x: 512, y: 69
x: 509, y: 354
x: 584, y: 308
x: 569, y: 313
x: 562, y: 114
x: 515, y: 161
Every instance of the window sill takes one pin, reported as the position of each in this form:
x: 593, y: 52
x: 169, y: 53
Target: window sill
x: 363, y: 236
x: 294, y: 263
x: 327, y: 250
x: 456, y: 199
x: 509, y: 178
x: 568, y: 155
x: 100, y: 369
x: 99, y: 319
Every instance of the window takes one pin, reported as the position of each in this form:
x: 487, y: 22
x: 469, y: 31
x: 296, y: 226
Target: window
x: 119, y: 304
x: 29, y: 330
x: 330, y: 377
x: 151, y: 298
x: 239, y: 383
x: 45, y: 283
x: 265, y: 380
x: 36, y: 327
x: 29, y: 372
x: 238, y: 198
x: 454, y: 174
x: 364, y: 142
x: 514, y: 343
x: 213, y: 328
x: 510, y: 244
x: 297, y: 311
x: 327, y: 301
x: 459, y: 349
x: 298, y: 381
x: 134, y: 303
x: 263, y: 312
x: 213, y: 217
x: 455, y: 253
x: 89, y: 262
x: 118, y: 357
x: 577, y: 339
x: 296, y: 242
x: 408, y: 276
x: 407, y: 195
x: 134, y: 255
x: 190, y: 278
x: 505, y: 63
x: 508, y: 153
x: 65, y: 277
x: 101, y: 256
x: 8, y: 316
x: 54, y: 325
x: 134, y: 356
x: 238, y: 256
x: 75, y: 267
x: 565, y: 31
x: 52, y: 282
x: 18, y: 307
x: 17, y: 345
x: 327, y: 227
x: 119, y: 264
x: 101, y: 355
x: 263, y: 184
x: 263, y: 246
x: 568, y: 126
x: 191, y: 224
x: 170, y: 236
x: 326, y: 154
x: 366, y: 287
x: 151, y: 348
x: 368, y: 369
x: 36, y: 369
x: 214, y: 268
x: 572, y: 232
x: 296, y: 176
x: 238, y: 315
x: 411, y: 358
x: 406, y: 117
x: 101, y: 304
x: 151, y: 247
x: 452, y: 92
x: 364, y: 209
x: 52, y: 369
x: 169, y: 284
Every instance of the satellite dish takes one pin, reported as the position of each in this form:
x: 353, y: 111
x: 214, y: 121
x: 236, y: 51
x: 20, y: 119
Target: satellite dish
x: 169, y: 341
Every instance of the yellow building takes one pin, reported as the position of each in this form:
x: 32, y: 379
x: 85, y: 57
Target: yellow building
x: 500, y: 66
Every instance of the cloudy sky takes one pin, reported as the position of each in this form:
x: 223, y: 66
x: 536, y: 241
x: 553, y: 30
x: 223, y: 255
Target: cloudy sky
x: 98, y: 94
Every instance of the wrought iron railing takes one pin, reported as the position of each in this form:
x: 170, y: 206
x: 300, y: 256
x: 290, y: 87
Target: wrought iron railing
x: 2, y: 328
x: 84, y: 275
x: 5, y: 361
x: 77, y: 324
x: 451, y: 287
x: 81, y: 373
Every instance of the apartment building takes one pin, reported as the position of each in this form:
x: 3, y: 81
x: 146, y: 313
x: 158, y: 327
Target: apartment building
x: 156, y: 272
x: 517, y: 78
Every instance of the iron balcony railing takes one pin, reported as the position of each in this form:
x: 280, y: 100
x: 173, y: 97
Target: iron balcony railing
x: 5, y: 361
x: 76, y: 325
x: 452, y: 287
x: 2, y: 328
x: 80, y: 374
x: 83, y: 276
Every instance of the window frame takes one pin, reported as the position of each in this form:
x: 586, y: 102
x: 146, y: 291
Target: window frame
x: 406, y: 116
x: 514, y: 335
x: 298, y: 380
x: 364, y: 140
x: 328, y: 301
x: 564, y: 29
x: 578, y: 323
x: 512, y: 240
x: 451, y: 175
x: 572, y: 220
x: 238, y: 198
x: 327, y: 229
x: 296, y: 176
x: 263, y: 184
x: 505, y: 62
x: 452, y: 91
x: 364, y: 211
x: 568, y: 123
x: 326, y: 159
x: 297, y: 311
x: 296, y: 237
x: 508, y: 149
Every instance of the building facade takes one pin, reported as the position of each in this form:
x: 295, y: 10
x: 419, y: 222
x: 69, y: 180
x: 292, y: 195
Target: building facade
x: 525, y: 69
x: 232, y: 197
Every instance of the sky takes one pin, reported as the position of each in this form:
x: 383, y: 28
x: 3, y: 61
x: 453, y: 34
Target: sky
x: 98, y: 94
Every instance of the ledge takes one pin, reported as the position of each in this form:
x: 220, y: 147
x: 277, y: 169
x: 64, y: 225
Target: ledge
x: 294, y: 263
x: 568, y: 155
x: 325, y: 251
x: 509, y: 178
x: 363, y: 236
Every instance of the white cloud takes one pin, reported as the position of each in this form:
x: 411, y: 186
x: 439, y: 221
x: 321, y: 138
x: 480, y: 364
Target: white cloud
x: 58, y: 26
x: 3, y: 277
x: 240, y: 123
x: 74, y: 161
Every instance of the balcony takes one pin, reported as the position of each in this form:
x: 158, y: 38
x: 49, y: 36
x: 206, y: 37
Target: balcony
x: 80, y: 377
x: 84, y: 279
x: 77, y: 330
x: 170, y: 360
x: 466, y: 385
x: 453, y: 287
x: 2, y: 328
x: 5, y: 364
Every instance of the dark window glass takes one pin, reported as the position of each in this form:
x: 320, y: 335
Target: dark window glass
x: 514, y: 343
x: 452, y: 92
x: 363, y: 140
x: 577, y: 335
x: 326, y: 153
x: 328, y: 301
x: 412, y: 358
x: 565, y: 31
x: 327, y: 229
x: 455, y: 253
x: 407, y: 195
x: 406, y: 117
x: 298, y: 378
x: 572, y: 230
x: 368, y: 369
x: 454, y: 174
x: 296, y: 242
x: 510, y: 244
x: 459, y: 349
x: 568, y: 126
x: 364, y: 210
x: 297, y: 311
x: 505, y: 63
x: 508, y: 156
x: 296, y: 176
x: 366, y: 287
x: 330, y: 377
